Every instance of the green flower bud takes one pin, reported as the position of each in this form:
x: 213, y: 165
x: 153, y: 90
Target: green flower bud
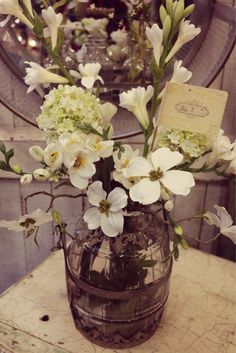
x: 163, y: 14
x: 56, y: 216
x: 16, y: 168
x: 166, y: 28
x: 179, y: 12
x: 169, y: 7
x: 178, y: 230
x: 189, y: 9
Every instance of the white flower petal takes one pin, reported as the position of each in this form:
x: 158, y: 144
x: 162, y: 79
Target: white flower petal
x: 78, y: 181
x: 88, y: 82
x: 165, y: 159
x: 139, y: 166
x: 93, y: 218
x: 178, y: 182
x: 118, y: 199
x: 230, y: 233
x: 145, y: 191
x: 11, y: 225
x: 211, y: 218
x: 113, y: 224
x: 96, y: 193
x: 225, y: 218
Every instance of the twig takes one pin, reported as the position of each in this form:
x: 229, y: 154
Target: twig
x: 202, y: 241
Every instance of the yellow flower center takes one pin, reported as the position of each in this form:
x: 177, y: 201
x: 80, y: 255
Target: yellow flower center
x: 54, y: 156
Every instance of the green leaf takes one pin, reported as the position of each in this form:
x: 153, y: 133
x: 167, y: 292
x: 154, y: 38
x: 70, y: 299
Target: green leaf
x: 9, y: 154
x: 3, y: 166
x: 56, y: 216
x: 38, y: 26
x: 184, y: 243
x: 2, y: 147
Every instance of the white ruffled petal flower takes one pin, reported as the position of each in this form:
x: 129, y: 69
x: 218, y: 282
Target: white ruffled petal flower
x: 12, y: 7
x: 222, y: 220
x: 36, y: 152
x: 36, y: 75
x: 155, y: 36
x: 89, y: 73
x: 26, y: 179
x: 53, y: 22
x: 28, y: 221
x: 53, y: 156
x: 154, y: 172
x: 41, y: 174
x: 187, y: 32
x: 135, y: 100
x: 108, y: 214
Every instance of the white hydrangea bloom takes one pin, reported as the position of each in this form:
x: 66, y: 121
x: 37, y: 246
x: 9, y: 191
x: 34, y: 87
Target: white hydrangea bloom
x: 107, y: 212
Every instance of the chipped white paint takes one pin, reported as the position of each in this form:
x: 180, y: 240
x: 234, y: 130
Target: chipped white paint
x: 200, y: 315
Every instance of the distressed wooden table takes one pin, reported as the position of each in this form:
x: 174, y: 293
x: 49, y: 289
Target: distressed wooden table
x: 200, y: 315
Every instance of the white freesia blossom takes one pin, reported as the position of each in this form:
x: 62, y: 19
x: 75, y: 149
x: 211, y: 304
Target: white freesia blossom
x: 95, y: 26
x: 222, y: 148
x: 28, y: 221
x: 107, y: 212
x: 96, y: 144
x: 41, y: 174
x: 53, y: 156
x: 223, y: 220
x: 119, y: 37
x: 155, y: 36
x: 187, y: 32
x: 180, y: 75
x: 154, y: 172
x: 135, y: 101
x: 80, y: 54
x: 81, y: 168
x: 36, y: 75
x: 89, y: 73
x: 12, y: 8
x: 53, y: 22
x: 26, y: 179
x: 28, y: 5
x: 36, y: 152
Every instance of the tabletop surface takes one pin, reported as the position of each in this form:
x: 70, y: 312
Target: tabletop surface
x: 200, y: 315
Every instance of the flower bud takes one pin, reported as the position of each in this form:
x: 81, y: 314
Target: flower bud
x: 41, y: 174
x: 178, y: 230
x: 26, y: 179
x: 163, y: 13
x: 16, y: 168
x: 189, y: 9
x: 169, y: 205
x: 179, y: 12
x: 166, y: 28
x: 169, y: 7
x: 56, y: 216
x: 36, y: 152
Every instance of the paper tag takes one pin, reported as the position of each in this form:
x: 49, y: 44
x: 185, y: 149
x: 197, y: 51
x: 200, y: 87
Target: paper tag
x: 192, y: 108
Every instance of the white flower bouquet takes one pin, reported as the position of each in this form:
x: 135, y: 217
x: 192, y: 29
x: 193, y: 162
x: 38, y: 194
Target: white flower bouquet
x: 79, y: 132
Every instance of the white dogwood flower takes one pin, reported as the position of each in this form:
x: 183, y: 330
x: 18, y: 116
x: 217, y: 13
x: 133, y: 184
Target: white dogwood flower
x: 187, y: 32
x: 28, y: 221
x: 107, y: 212
x: 53, y: 156
x: 155, y: 172
x: 223, y: 220
x: 89, y: 73
x: 135, y: 100
x: 36, y: 75
x: 155, y: 36
x: 53, y: 21
x: 12, y: 8
x: 80, y: 164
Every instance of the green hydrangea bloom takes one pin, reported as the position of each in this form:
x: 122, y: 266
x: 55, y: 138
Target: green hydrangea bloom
x: 190, y: 144
x: 67, y: 107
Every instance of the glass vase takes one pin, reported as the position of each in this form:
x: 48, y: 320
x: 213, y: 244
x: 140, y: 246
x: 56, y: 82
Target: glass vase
x: 117, y: 287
